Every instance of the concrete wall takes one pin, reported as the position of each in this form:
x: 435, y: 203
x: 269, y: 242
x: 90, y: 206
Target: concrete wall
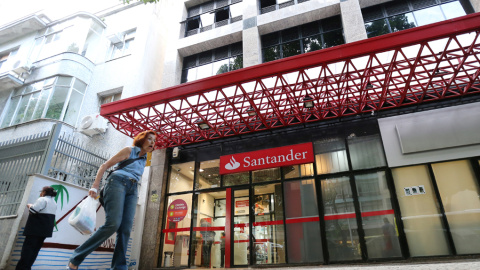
x: 431, y: 136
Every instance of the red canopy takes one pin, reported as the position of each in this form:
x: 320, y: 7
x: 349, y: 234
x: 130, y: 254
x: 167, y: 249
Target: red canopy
x: 421, y: 64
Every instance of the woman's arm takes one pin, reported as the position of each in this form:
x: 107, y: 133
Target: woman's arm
x: 119, y: 157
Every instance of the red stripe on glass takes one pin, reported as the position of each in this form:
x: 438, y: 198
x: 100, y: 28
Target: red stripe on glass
x: 302, y: 220
x: 342, y: 216
x: 377, y: 213
x: 267, y: 223
x: 200, y: 229
x: 176, y: 230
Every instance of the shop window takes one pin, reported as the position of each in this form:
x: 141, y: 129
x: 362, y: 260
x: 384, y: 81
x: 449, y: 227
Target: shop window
x: 296, y: 171
x: 366, y: 152
x: 302, y: 222
x: 266, y: 175
x: 236, y: 179
x: 177, y: 230
x: 330, y: 156
x: 268, y: 229
x: 340, y: 220
x: 421, y: 216
x: 459, y: 191
x: 208, y: 175
x: 378, y: 220
x: 181, y: 177
x: 302, y: 39
x: 57, y: 98
x: 400, y: 15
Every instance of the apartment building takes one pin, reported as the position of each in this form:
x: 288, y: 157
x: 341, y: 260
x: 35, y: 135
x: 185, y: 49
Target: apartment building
x: 311, y: 132
x: 54, y: 76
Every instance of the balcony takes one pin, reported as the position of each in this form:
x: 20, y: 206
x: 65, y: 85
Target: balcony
x: 22, y: 27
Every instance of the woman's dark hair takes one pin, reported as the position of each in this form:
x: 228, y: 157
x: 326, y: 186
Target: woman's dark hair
x: 49, y: 191
x: 142, y: 136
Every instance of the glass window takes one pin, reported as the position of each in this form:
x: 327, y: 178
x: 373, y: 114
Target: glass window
x: 330, y: 156
x: 291, y: 48
x: 312, y: 43
x: 378, y: 218
x: 268, y: 229
x: 241, y: 230
x: 266, y: 175
x: 208, y: 175
x: 366, y: 152
x: 401, y: 22
x: 209, y: 230
x: 333, y: 38
x: 181, y: 177
x: 271, y: 53
x: 302, y: 222
x: 57, y: 102
x: 73, y: 108
x: 11, y: 111
x: 453, y: 10
x: 177, y: 230
x: 428, y: 15
x: 236, y: 179
x: 340, y: 222
x: 111, y: 98
x: 298, y: 170
x: 459, y: 191
x: 421, y: 216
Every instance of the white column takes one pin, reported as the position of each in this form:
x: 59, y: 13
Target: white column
x: 352, y: 19
x: 252, y: 52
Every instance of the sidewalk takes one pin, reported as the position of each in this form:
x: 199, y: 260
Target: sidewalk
x: 427, y: 264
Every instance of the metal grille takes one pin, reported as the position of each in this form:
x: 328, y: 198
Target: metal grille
x: 372, y: 13
x: 236, y: 19
x: 286, y: 4
x: 190, y: 61
x: 236, y: 48
x: 18, y: 158
x: 221, y: 23
x: 221, y: 53
x: 396, y: 7
x: 270, y: 39
x: 331, y: 23
x: 73, y: 162
x: 268, y: 9
x: 191, y: 32
x: 310, y: 29
x: 206, y: 28
x: 221, y: 3
x: 208, y: 6
x: 193, y: 11
x: 205, y: 57
x: 289, y: 34
x: 418, y: 4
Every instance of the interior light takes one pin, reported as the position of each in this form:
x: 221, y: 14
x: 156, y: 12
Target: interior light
x: 251, y: 111
x: 308, y: 102
x: 202, y: 125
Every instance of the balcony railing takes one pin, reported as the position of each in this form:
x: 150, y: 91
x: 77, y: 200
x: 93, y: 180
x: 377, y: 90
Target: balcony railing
x: 280, y: 6
x: 212, y: 26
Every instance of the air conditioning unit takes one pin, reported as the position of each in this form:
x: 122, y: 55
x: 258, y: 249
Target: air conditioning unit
x: 21, y: 69
x: 92, y: 125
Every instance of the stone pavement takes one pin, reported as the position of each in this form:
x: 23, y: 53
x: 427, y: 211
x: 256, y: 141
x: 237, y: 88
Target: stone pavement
x: 430, y: 264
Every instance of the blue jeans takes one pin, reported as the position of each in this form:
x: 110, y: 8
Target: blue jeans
x: 120, y: 197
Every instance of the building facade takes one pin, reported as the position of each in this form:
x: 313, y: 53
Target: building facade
x: 57, y: 73
x: 311, y: 132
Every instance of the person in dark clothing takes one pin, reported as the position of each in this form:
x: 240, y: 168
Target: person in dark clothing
x: 40, y: 224
x: 208, y: 238
x: 222, y: 250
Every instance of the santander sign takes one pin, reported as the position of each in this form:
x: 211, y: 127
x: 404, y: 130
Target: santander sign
x: 268, y: 158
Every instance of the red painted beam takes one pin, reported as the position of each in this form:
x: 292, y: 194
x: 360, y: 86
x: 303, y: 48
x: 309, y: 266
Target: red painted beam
x: 378, y: 44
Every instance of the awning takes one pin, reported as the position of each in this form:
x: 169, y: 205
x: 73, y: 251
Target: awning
x: 413, y: 66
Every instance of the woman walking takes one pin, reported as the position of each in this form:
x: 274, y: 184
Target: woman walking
x: 40, y: 223
x: 120, y: 200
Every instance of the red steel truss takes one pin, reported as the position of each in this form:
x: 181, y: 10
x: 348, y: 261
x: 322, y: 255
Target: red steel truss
x: 427, y: 63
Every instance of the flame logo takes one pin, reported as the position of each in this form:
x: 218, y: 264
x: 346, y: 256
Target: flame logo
x: 232, y: 165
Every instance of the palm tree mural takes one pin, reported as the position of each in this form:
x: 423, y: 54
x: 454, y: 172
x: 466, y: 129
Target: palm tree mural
x: 62, y: 192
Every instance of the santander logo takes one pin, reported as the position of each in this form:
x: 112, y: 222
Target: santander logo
x: 232, y: 165
x: 268, y: 158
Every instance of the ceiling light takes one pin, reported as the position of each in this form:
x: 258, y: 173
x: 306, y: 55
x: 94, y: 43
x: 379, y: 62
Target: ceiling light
x: 201, y: 124
x: 308, y: 102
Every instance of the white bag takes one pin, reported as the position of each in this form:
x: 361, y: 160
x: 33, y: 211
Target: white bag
x: 83, y: 219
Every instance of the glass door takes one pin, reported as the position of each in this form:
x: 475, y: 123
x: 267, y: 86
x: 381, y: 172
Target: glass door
x: 241, y: 228
x: 208, y: 240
